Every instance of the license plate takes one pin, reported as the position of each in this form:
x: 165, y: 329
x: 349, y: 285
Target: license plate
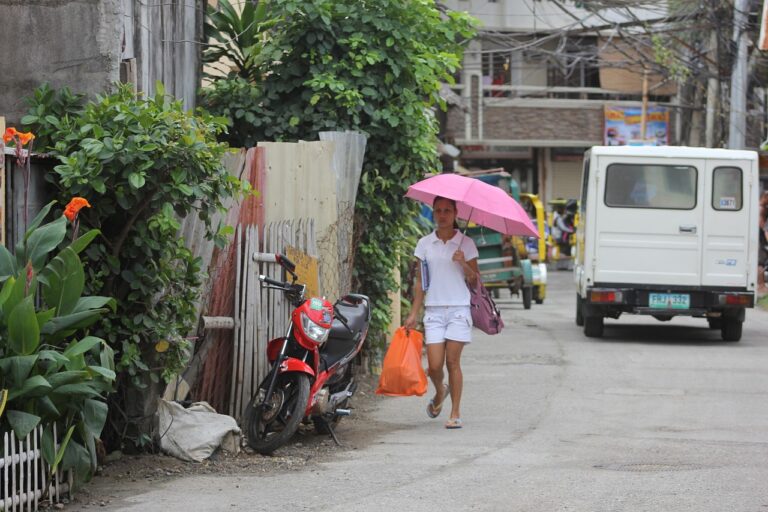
x: 669, y: 300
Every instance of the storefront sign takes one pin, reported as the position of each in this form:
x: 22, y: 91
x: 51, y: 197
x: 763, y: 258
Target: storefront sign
x: 623, y: 125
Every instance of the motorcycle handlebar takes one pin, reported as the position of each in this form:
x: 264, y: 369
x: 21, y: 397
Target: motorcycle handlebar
x: 280, y: 284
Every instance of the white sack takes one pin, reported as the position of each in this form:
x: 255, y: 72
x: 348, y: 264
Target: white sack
x: 193, y: 434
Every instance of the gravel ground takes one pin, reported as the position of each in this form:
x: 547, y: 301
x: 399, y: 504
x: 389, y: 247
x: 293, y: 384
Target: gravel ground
x: 304, y: 451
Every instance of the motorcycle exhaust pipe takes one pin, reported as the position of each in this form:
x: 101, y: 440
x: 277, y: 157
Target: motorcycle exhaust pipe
x: 343, y: 412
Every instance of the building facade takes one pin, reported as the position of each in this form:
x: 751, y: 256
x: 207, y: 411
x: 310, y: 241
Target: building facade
x: 537, y: 84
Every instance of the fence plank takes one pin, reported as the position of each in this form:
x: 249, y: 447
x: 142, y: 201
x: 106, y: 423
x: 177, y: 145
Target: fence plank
x: 247, y: 320
x: 5, y: 471
x: 236, y: 340
x: 240, y: 315
x: 28, y: 501
x: 38, y: 465
x: 260, y: 335
x: 253, y: 293
x: 14, y: 487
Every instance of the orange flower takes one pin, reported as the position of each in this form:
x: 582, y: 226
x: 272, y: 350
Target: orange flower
x: 9, y: 134
x: 12, y: 133
x: 74, y: 207
x: 25, y: 137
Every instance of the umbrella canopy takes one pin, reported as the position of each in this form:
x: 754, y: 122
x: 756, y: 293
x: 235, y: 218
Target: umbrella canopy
x: 477, y: 202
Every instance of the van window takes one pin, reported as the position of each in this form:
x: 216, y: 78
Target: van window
x: 727, y: 189
x: 670, y: 187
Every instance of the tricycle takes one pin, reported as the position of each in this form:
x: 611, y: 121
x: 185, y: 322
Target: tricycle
x: 501, y: 265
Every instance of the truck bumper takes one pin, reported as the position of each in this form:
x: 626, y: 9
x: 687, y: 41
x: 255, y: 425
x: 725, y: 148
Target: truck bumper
x: 612, y: 301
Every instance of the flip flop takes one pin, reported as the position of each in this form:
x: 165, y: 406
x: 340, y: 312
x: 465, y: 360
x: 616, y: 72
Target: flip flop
x: 453, y: 423
x: 433, y: 411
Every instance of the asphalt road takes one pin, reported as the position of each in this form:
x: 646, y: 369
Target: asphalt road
x: 653, y: 417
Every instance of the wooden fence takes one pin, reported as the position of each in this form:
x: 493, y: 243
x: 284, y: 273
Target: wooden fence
x: 25, y: 475
x: 304, y: 180
x: 260, y: 314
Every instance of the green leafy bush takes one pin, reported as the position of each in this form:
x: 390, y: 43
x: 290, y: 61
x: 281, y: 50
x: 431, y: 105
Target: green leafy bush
x: 51, y: 371
x: 144, y: 163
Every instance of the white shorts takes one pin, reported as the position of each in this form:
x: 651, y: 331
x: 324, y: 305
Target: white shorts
x: 447, y: 323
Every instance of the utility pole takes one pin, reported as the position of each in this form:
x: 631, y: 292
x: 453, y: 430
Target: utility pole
x: 644, y: 113
x: 713, y: 89
x: 737, y: 126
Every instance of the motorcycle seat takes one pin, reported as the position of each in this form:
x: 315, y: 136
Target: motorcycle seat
x: 356, y: 316
x: 342, y: 341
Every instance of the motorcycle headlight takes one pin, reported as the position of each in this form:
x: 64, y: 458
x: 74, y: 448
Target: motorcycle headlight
x: 316, y: 333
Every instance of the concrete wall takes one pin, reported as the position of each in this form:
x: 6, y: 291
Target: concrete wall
x: 537, y: 123
x: 555, y: 124
x: 73, y: 43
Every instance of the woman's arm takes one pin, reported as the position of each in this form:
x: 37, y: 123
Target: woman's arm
x: 474, y: 271
x: 469, y: 267
x: 418, y: 299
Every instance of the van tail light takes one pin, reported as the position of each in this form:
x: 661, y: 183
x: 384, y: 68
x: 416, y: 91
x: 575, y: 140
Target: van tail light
x: 733, y: 299
x: 606, y: 297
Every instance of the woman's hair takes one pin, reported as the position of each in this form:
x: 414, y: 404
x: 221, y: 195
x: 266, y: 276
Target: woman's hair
x: 440, y: 198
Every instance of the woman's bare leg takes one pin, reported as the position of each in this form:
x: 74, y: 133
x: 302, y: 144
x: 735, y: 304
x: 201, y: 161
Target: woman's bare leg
x: 455, y: 377
x: 436, y: 361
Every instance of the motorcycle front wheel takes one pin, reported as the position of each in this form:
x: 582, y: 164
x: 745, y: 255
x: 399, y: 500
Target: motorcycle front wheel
x: 268, y: 428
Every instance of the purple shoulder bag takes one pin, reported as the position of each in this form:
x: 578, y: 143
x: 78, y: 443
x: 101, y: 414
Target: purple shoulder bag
x: 485, y: 314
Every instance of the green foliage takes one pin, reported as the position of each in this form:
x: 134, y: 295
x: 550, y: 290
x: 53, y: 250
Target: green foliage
x: 233, y: 99
x: 376, y: 67
x: 142, y: 163
x: 55, y: 107
x: 236, y: 37
x: 666, y: 57
x: 50, y: 375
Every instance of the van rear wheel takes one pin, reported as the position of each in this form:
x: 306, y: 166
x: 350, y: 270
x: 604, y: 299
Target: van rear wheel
x: 579, y: 311
x: 593, y: 326
x: 731, y: 329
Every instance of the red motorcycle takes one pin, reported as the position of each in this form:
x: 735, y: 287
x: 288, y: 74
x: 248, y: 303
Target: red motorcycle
x: 310, y: 376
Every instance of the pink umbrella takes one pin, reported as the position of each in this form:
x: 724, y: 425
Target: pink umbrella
x: 477, y: 202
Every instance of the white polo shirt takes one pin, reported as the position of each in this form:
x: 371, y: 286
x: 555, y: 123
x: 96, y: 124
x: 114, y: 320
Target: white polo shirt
x: 447, y: 286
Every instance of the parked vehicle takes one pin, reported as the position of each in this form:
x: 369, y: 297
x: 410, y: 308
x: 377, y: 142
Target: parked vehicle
x: 310, y: 377
x: 536, y: 248
x: 667, y: 231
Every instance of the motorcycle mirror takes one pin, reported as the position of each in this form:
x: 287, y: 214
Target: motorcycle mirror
x: 287, y: 264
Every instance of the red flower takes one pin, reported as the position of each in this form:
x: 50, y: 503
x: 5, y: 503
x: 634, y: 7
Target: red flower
x: 74, y: 207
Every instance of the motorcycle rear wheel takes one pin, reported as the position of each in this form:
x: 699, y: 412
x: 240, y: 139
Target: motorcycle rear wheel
x: 269, y: 429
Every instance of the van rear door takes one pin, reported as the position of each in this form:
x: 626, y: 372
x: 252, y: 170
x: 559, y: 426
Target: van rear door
x: 649, y: 221
x: 727, y: 234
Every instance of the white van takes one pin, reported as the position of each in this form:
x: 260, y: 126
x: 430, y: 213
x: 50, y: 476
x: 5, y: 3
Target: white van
x: 667, y: 231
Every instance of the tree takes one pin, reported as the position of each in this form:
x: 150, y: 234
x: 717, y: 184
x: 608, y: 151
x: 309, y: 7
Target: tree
x: 373, y: 66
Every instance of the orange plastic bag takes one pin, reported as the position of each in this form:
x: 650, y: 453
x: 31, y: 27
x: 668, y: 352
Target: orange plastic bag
x: 402, y: 374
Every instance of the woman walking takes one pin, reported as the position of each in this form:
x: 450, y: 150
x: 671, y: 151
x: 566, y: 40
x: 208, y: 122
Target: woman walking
x: 447, y: 260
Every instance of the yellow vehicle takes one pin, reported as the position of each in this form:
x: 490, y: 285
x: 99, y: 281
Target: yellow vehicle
x: 537, y: 250
x: 561, y: 254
